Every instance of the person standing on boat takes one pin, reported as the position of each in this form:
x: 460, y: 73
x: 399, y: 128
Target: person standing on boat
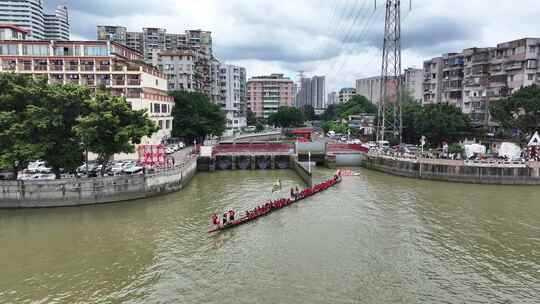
x: 231, y: 215
x: 224, y: 219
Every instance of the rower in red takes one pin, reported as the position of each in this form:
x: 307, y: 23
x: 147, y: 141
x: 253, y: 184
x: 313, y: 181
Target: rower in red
x: 215, y: 219
x: 231, y: 215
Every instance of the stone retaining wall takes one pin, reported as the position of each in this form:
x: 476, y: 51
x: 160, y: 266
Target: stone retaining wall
x: 454, y: 173
x: 76, y: 192
x: 303, y: 172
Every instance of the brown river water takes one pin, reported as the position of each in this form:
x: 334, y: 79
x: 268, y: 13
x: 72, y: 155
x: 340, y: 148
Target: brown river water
x: 374, y: 238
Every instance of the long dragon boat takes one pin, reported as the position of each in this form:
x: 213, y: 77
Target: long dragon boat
x: 277, y: 205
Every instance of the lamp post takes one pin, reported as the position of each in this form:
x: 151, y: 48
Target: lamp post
x: 309, y: 162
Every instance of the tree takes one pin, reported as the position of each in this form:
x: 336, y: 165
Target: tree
x: 520, y: 111
x: 339, y: 128
x: 196, y: 117
x: 259, y: 127
x: 58, y: 113
x: 309, y: 112
x: 440, y: 122
x: 287, y: 117
x: 251, y: 118
x: 113, y: 127
x: 358, y: 104
x: 331, y: 113
x: 19, y: 141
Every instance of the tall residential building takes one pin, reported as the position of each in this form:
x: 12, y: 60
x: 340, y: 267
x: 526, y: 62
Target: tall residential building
x: 179, y: 68
x: 413, y: 80
x: 312, y: 92
x: 233, y: 90
x: 30, y: 16
x: 332, y: 98
x: 304, y: 94
x: 57, y: 24
x: 477, y: 76
x: 267, y: 93
x: 346, y: 94
x: 99, y: 65
x: 371, y: 88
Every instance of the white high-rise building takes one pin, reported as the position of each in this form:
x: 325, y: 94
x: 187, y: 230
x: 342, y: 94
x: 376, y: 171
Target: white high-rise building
x: 29, y: 15
x: 232, y: 82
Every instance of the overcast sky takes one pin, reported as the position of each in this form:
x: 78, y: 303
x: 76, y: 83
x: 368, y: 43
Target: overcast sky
x: 340, y: 39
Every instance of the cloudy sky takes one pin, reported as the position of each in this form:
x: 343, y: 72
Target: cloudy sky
x: 341, y: 39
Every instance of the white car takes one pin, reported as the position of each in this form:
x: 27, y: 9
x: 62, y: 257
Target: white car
x: 169, y: 150
x: 133, y: 170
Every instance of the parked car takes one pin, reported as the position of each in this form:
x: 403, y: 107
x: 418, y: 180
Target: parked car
x: 132, y: 170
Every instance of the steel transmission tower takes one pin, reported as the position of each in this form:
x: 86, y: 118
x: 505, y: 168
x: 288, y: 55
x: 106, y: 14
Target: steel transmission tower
x: 389, y: 116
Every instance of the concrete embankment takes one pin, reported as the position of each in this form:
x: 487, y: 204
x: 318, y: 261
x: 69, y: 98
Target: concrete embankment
x: 302, y: 170
x: 455, y: 171
x: 77, y: 192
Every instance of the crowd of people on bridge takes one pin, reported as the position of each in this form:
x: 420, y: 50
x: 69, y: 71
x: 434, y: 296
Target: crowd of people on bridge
x: 228, y: 218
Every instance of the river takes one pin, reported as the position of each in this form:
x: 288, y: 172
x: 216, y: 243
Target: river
x: 373, y: 239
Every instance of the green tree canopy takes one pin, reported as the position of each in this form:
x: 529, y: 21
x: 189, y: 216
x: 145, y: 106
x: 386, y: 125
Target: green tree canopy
x: 357, y: 105
x: 19, y: 143
x: 520, y: 111
x: 309, y: 112
x: 196, y: 117
x: 113, y: 127
x: 287, y: 117
x: 438, y: 122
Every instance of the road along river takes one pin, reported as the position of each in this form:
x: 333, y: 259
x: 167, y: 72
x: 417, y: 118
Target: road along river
x: 374, y: 238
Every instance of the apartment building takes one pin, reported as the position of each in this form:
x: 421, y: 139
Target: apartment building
x: 233, y: 91
x: 12, y: 32
x: 477, y: 76
x: 371, y: 88
x: 30, y: 16
x: 312, y: 92
x: 332, y: 98
x: 57, y: 24
x: 413, y: 80
x: 346, y: 94
x: 163, y: 49
x: 99, y: 65
x: 266, y: 94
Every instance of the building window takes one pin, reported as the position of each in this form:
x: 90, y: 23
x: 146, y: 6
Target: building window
x: 36, y: 50
x: 164, y: 108
x: 157, y: 108
x: 8, y: 49
x: 511, y: 78
x: 95, y: 51
x: 160, y: 124
x: 167, y: 124
x: 531, y: 76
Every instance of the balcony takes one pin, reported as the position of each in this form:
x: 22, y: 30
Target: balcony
x: 119, y: 82
x: 134, y: 82
x: 104, y: 68
x: 513, y: 66
x: 133, y: 94
x: 104, y: 82
x: 24, y: 67
x: 118, y: 68
x: 40, y: 67
x: 88, y: 82
x: 72, y: 81
x: 56, y: 67
x: 72, y: 68
x: 87, y: 68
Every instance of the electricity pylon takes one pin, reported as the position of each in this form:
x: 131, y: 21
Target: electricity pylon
x: 389, y: 116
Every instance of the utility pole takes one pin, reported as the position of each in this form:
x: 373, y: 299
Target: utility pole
x: 389, y: 115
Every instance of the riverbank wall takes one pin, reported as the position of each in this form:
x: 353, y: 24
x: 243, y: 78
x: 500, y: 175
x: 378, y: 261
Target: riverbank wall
x: 88, y: 191
x: 455, y: 171
x: 301, y: 169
